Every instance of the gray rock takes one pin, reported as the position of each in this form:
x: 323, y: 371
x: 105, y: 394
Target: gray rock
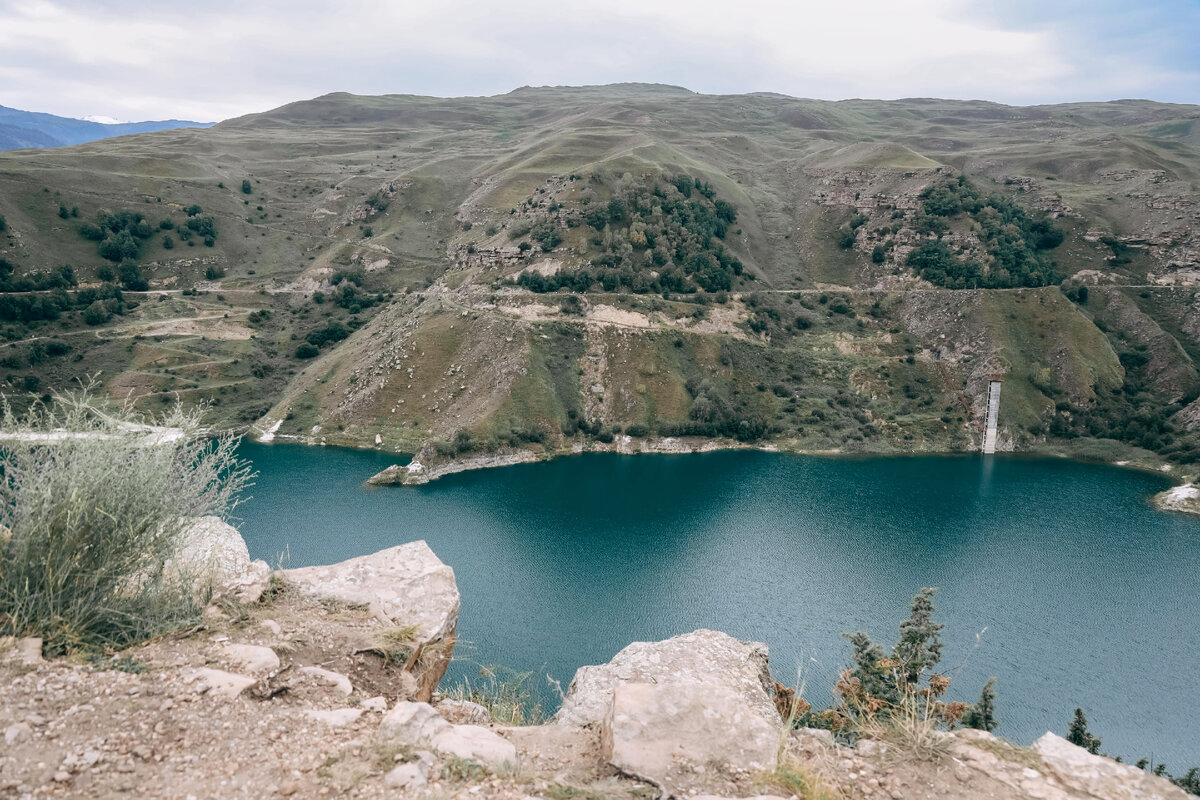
x: 412, y: 775
x: 702, y: 657
x: 419, y: 725
x: 219, y: 683
x: 477, y: 744
x: 339, y: 682
x: 666, y: 734
x: 377, y: 704
x: 334, y: 717
x: 1101, y: 777
x: 252, y: 658
x: 405, y: 586
x: 412, y: 723
x: 17, y: 733
x: 26, y: 651
x: 463, y: 712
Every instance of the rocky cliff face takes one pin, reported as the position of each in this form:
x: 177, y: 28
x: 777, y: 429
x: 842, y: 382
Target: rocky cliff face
x: 321, y: 688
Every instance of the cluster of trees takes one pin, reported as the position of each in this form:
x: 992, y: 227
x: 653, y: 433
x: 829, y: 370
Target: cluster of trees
x: 348, y: 292
x: 315, y: 340
x: 61, y: 278
x: 121, y: 234
x: 25, y: 305
x: 1017, y: 244
x: 656, y: 236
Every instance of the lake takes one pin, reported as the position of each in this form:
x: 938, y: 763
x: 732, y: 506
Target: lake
x: 1058, y: 578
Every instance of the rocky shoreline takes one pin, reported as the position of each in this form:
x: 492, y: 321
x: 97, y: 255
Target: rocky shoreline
x: 324, y: 681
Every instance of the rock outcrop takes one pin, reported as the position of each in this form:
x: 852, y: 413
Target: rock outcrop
x: 1096, y: 776
x: 702, y: 657
x: 1180, y: 498
x: 668, y: 711
x: 406, y: 586
x: 664, y: 733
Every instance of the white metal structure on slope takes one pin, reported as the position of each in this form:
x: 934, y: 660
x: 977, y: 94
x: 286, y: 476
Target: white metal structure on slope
x: 993, y: 410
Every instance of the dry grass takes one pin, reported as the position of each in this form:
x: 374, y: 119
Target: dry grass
x: 506, y: 694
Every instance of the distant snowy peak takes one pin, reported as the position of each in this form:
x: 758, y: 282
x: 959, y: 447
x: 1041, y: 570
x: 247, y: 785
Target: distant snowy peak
x: 103, y: 120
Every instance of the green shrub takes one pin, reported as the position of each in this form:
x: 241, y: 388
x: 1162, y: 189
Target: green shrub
x: 246, y: 187
x: 306, y: 351
x: 97, y: 313
x: 132, y: 277
x: 94, y: 516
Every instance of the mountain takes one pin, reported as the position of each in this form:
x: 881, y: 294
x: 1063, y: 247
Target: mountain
x: 22, y: 129
x: 556, y: 268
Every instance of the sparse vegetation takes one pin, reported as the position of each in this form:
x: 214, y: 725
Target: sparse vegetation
x: 94, y: 514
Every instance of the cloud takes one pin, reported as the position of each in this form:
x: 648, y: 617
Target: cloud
x: 219, y: 59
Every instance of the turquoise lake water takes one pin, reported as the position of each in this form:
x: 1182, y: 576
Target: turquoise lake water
x: 1084, y: 594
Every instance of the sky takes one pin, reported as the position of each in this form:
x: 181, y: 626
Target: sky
x: 215, y: 59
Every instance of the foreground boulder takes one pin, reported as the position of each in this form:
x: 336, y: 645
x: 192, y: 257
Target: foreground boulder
x: 406, y: 587
x: 214, y: 556
x: 663, y: 733
x: 702, y: 657
x: 670, y: 711
x: 1097, y: 776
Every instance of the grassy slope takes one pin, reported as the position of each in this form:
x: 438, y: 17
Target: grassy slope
x: 905, y: 372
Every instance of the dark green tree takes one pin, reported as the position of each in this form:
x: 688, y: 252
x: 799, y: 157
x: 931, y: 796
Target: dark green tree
x: 132, y: 277
x: 97, y: 313
x: 920, y: 647
x: 1078, y: 733
x: 982, y: 715
x: 246, y: 187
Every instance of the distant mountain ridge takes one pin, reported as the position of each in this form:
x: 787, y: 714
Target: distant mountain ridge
x: 23, y: 129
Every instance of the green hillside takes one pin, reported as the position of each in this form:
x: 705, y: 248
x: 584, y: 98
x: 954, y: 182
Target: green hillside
x: 558, y: 268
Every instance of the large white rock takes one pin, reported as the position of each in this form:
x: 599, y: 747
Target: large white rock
x: 702, y: 657
x: 214, y: 556
x: 1100, y: 777
x: 406, y: 585
x: 670, y: 711
x: 663, y: 733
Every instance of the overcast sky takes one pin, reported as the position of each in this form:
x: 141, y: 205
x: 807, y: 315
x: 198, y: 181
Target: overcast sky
x: 212, y: 59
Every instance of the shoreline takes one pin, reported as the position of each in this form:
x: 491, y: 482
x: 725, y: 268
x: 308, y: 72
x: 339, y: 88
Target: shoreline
x: 402, y: 474
x: 1177, y: 498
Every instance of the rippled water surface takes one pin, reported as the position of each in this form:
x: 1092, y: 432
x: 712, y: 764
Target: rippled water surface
x: 1088, y: 595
